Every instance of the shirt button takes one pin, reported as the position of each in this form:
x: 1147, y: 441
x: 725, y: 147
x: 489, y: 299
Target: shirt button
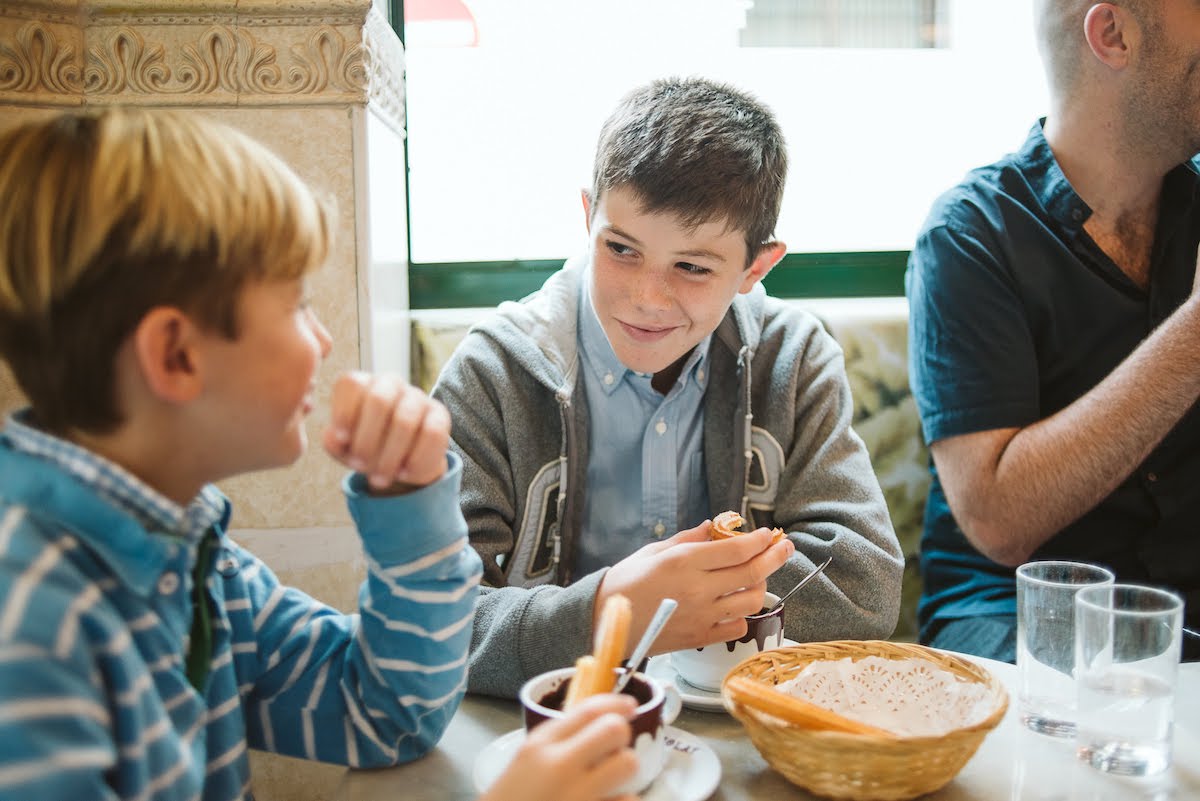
x: 699, y: 375
x: 608, y: 379
x: 659, y: 529
x: 1152, y: 477
x: 168, y: 583
x: 1077, y: 215
x: 661, y: 428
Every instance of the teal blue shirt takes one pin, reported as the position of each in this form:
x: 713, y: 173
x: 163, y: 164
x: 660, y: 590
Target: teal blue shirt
x: 645, y: 471
x: 1015, y: 313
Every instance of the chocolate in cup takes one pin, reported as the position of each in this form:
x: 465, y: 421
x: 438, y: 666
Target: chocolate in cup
x: 542, y: 698
x: 764, y: 629
x: 705, y: 668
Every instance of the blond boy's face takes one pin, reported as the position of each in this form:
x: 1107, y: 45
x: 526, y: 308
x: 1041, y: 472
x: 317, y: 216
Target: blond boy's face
x: 658, y: 286
x: 264, y: 380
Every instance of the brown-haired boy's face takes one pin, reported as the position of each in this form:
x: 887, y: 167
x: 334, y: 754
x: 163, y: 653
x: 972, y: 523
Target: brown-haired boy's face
x: 262, y: 382
x: 658, y: 286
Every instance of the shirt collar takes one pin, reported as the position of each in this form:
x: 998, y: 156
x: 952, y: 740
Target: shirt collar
x: 118, y: 486
x: 1060, y: 199
x: 602, y: 360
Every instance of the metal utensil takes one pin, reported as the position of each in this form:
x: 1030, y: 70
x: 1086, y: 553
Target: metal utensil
x: 664, y: 612
x: 803, y: 581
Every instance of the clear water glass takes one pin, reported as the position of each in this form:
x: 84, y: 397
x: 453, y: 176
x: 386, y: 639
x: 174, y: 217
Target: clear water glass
x: 1128, y: 640
x: 1046, y: 641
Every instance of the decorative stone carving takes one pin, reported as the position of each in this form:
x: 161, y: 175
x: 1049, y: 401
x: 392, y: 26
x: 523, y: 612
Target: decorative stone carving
x: 34, y: 62
x: 385, y: 71
x: 226, y: 60
x: 255, y: 53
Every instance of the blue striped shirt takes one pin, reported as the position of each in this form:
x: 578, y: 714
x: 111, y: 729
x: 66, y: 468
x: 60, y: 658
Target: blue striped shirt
x: 95, y: 611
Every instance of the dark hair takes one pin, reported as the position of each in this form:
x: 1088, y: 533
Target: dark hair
x: 702, y: 150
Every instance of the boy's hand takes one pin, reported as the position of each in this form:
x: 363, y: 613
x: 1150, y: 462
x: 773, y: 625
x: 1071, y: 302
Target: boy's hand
x: 583, y: 756
x: 717, y: 583
x: 390, y: 431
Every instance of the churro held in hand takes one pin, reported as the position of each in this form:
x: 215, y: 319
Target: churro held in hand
x: 596, y: 673
x: 726, y: 525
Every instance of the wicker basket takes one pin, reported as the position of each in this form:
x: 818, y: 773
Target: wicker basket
x: 857, y: 766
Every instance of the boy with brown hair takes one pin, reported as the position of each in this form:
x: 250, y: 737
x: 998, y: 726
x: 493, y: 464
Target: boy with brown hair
x: 651, y: 385
x: 153, y: 309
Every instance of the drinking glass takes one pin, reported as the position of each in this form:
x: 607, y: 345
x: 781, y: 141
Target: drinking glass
x: 1046, y: 641
x: 1127, y: 646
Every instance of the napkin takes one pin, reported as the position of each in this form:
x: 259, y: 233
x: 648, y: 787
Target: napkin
x: 911, y: 697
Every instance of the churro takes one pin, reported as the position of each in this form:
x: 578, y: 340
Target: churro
x: 583, y: 683
x: 791, y: 709
x: 596, y: 673
x: 726, y: 525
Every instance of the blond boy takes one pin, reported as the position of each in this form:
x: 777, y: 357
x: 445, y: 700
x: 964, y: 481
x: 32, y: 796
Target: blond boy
x: 153, y: 309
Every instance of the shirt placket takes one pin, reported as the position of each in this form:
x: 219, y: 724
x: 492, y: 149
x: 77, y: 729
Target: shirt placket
x: 660, y: 473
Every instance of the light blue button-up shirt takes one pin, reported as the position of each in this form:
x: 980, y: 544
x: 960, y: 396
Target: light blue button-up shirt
x: 645, y: 472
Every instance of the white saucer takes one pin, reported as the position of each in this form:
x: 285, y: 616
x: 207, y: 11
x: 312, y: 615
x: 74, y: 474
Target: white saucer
x: 692, y: 771
x: 693, y: 697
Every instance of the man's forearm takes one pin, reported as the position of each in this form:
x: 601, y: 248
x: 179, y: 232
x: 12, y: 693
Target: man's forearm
x: 1016, y: 492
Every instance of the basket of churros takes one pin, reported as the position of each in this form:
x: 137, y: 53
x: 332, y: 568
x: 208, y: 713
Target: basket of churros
x: 866, y: 720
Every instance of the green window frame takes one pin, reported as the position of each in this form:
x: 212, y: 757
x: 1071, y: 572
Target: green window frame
x: 799, y: 275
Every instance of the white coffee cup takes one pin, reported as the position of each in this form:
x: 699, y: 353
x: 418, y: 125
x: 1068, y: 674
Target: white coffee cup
x: 705, y: 668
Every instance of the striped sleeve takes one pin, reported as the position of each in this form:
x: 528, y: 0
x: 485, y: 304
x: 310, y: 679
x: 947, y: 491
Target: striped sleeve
x: 55, y: 739
x: 377, y: 688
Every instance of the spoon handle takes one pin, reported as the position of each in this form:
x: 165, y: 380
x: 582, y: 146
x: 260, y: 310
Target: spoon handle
x: 820, y: 568
x: 665, y: 609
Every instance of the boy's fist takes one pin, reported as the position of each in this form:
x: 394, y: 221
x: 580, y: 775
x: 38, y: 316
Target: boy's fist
x: 388, y: 430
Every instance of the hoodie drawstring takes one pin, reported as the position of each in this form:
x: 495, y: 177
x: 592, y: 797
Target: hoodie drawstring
x: 745, y: 355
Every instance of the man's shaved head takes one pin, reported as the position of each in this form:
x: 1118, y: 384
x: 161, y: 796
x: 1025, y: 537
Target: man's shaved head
x: 1060, y: 36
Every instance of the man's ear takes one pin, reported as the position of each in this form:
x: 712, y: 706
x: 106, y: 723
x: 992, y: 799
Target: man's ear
x: 768, y: 256
x: 1107, y: 29
x: 166, y: 345
x: 586, y: 197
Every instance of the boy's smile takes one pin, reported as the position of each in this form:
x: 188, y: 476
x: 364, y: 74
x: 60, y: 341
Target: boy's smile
x: 658, y: 286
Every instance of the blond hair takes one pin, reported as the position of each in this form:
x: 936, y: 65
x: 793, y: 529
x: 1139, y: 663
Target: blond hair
x: 105, y: 216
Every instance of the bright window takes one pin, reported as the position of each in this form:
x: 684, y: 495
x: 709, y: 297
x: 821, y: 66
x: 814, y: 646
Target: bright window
x: 885, y: 103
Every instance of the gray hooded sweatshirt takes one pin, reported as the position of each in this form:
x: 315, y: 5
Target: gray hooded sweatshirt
x: 778, y: 449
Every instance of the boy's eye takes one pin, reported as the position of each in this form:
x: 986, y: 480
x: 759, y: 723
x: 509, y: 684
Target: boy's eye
x: 617, y: 249
x: 692, y: 269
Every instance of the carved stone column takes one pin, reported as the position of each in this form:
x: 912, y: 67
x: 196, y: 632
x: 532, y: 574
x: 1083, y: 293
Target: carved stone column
x: 321, y: 83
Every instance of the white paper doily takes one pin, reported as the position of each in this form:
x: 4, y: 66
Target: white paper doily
x: 911, y: 697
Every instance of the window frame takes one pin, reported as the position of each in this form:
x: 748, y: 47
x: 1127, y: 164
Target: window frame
x: 449, y: 285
